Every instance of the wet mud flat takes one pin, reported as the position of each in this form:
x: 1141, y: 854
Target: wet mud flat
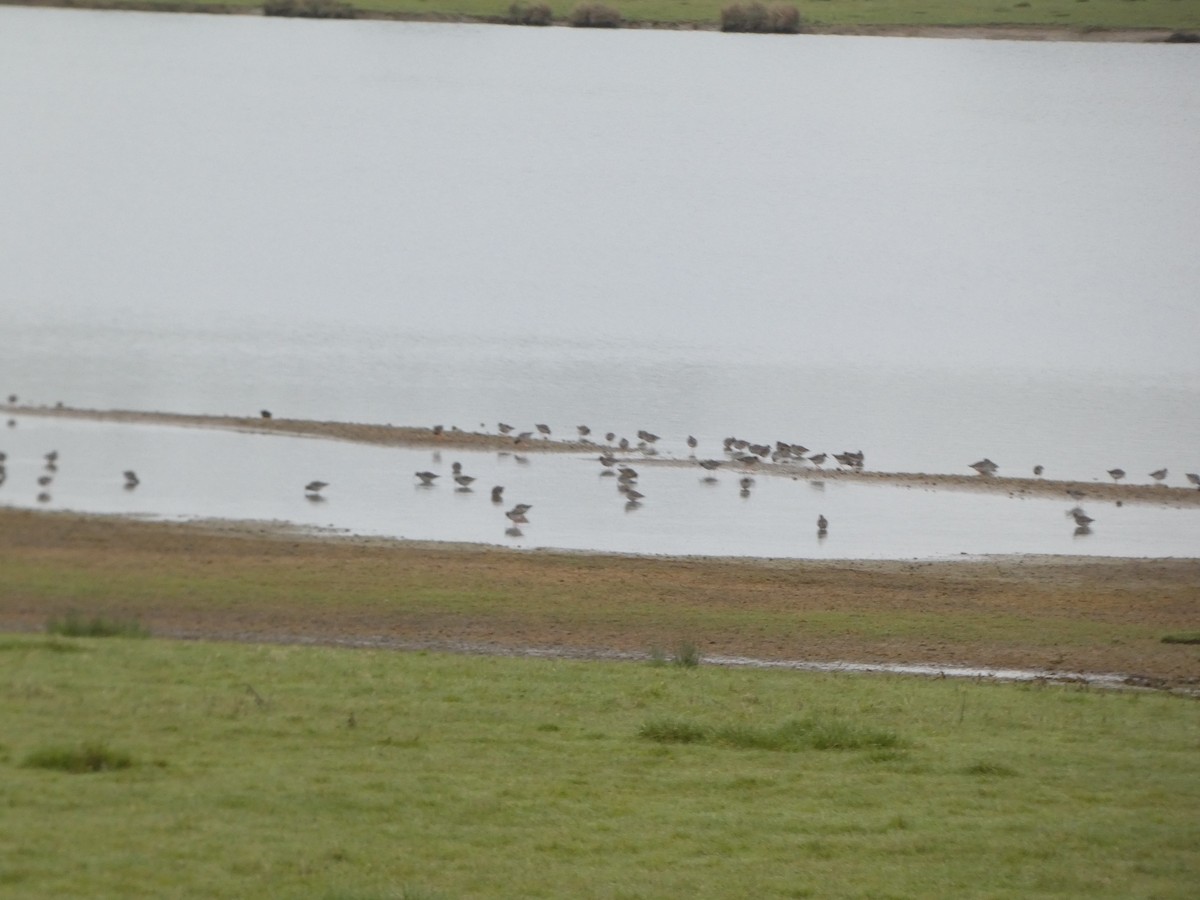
x: 264, y: 582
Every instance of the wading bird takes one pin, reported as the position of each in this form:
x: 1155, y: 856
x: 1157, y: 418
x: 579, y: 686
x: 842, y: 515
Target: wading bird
x: 985, y: 467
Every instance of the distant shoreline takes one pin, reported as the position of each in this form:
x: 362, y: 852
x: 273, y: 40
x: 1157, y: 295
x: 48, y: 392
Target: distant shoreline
x: 1085, y: 34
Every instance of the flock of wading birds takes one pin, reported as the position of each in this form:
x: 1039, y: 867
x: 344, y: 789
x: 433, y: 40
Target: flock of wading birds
x: 738, y: 452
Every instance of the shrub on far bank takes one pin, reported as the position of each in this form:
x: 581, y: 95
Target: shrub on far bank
x: 309, y: 9
x: 757, y: 18
x: 530, y: 14
x: 594, y: 15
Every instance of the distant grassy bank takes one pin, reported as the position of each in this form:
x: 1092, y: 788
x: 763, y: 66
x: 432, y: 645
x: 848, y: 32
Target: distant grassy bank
x: 1007, y: 18
x: 146, y: 768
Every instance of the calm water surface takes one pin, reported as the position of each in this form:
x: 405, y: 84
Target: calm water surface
x: 192, y: 473
x: 932, y: 251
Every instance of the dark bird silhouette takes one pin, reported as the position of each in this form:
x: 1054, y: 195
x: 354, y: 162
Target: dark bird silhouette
x: 131, y: 479
x: 1159, y: 474
x: 427, y: 477
x: 822, y: 525
x: 315, y: 487
x: 498, y: 494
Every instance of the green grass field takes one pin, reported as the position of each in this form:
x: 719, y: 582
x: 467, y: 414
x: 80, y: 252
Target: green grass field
x: 1077, y: 14
x: 147, y: 768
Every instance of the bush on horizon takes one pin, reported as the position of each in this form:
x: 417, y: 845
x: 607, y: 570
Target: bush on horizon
x: 594, y: 15
x: 757, y: 18
x: 309, y: 9
x: 530, y: 14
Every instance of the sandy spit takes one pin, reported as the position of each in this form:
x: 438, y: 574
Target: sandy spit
x: 453, y: 438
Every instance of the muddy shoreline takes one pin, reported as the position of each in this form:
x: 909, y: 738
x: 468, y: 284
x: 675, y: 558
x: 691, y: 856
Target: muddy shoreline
x: 450, y: 437
x: 1097, y: 620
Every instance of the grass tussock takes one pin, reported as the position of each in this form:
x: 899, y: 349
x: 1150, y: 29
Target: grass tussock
x: 673, y: 731
x: 686, y: 655
x: 594, y: 15
x: 759, y: 18
x: 52, y: 645
x: 793, y: 735
x: 1186, y: 637
x: 990, y: 770
x: 530, y: 14
x: 93, y: 757
x: 75, y: 625
x: 309, y: 9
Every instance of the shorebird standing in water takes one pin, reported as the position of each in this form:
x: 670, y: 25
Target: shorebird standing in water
x: 504, y: 428
x: 313, y: 489
x: 692, y: 443
x: 1194, y: 478
x: 464, y: 481
x: 427, y: 478
x: 1116, y: 474
x: 822, y: 526
x: 583, y: 430
x: 1159, y: 474
x: 131, y: 479
x: 498, y: 494
x: 1082, y: 519
x: 544, y: 429
x: 1038, y: 470
x: 516, y: 515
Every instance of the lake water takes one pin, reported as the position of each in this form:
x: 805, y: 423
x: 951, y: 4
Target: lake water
x: 932, y: 251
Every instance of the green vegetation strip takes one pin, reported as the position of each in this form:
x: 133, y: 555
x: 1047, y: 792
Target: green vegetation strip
x: 213, y: 769
x: 813, y: 14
